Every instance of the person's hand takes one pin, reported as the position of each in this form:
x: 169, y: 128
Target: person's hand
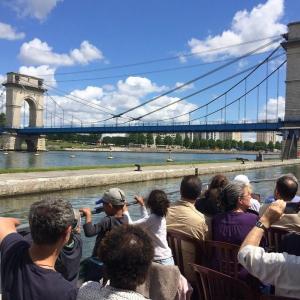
x: 273, y: 213
x: 86, y: 211
x: 125, y: 207
x: 7, y: 226
x: 140, y: 200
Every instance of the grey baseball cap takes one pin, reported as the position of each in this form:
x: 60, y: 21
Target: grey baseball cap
x: 114, y: 196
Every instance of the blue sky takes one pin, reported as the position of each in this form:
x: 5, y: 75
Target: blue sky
x: 49, y: 37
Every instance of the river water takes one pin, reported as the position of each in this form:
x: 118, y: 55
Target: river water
x: 88, y: 158
x: 86, y: 197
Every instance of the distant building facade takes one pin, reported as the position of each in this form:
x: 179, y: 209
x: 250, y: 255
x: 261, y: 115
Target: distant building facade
x: 237, y: 136
x: 266, y: 136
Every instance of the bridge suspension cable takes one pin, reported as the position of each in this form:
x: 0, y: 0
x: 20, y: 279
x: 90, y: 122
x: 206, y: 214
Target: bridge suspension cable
x: 253, y: 69
x: 146, y: 62
x: 194, y: 79
x: 143, y: 73
x: 249, y: 91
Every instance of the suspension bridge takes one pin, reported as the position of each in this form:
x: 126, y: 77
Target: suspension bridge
x: 229, y: 111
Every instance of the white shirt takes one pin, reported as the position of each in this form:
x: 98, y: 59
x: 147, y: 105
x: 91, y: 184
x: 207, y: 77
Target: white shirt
x: 254, y: 204
x: 279, y: 269
x: 92, y: 290
x: 156, y: 227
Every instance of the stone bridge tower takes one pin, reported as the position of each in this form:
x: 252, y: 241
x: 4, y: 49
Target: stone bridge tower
x: 291, y: 129
x: 20, y: 88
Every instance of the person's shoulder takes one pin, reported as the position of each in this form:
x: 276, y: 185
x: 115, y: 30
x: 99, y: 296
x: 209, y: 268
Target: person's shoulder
x: 89, y: 290
x: 13, y: 240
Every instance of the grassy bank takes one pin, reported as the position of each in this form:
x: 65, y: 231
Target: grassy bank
x: 75, y: 168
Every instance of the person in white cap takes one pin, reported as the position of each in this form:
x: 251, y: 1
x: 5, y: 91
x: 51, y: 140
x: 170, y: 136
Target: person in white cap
x: 254, y: 204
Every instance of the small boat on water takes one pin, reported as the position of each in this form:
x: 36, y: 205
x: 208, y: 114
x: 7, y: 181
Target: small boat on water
x: 5, y: 153
x: 169, y: 159
x: 36, y: 154
x: 72, y: 155
x: 109, y: 156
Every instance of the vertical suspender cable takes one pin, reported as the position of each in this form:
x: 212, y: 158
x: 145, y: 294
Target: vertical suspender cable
x: 277, y: 104
x: 257, y: 105
x: 267, y: 89
x: 225, y: 119
x: 245, y: 104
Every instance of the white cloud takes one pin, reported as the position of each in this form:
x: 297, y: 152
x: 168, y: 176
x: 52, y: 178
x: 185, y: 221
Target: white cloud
x: 38, y: 9
x: 262, y: 21
x: 185, y: 88
x: 37, y: 52
x: 44, y: 71
x: 138, y: 86
x: 272, y: 109
x: 7, y: 32
x: 126, y: 94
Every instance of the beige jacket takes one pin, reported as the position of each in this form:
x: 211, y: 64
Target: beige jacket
x: 185, y: 218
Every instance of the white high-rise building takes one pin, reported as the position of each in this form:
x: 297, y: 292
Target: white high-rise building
x: 266, y: 136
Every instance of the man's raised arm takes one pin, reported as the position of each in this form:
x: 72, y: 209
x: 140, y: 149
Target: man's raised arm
x: 7, y: 226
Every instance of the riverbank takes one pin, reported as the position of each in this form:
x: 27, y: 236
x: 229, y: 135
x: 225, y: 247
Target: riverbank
x: 39, y: 182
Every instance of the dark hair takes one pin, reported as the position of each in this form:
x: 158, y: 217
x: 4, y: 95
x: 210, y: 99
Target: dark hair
x: 231, y: 194
x: 126, y: 252
x: 211, y: 203
x: 158, y: 203
x: 287, y: 186
x: 190, y: 187
x: 49, y: 219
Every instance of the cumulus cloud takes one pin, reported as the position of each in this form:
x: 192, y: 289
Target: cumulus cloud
x: 37, y: 52
x: 33, y: 8
x: 262, y: 21
x: 45, y: 72
x: 7, y: 32
x: 272, y: 109
x: 126, y: 94
x: 185, y: 88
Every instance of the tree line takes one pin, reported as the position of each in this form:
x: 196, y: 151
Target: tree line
x: 148, y: 139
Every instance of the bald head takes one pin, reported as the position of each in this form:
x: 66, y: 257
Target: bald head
x: 286, y: 187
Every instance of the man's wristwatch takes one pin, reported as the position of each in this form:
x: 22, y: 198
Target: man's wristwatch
x: 259, y: 224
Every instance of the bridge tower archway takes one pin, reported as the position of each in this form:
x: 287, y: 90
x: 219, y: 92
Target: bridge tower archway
x: 20, y: 88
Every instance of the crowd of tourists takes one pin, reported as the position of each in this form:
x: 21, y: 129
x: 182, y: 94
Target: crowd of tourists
x: 133, y: 260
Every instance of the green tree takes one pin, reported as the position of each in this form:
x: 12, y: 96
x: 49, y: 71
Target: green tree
x: 248, y: 146
x: 178, y: 140
x: 219, y: 144
x: 158, y: 140
x: 141, y: 139
x: 2, y: 120
x: 107, y: 140
x: 278, y: 145
x: 234, y: 144
x: 271, y: 146
x: 240, y: 145
x: 150, y: 139
x: 168, y: 140
x: 211, y: 143
x: 186, y: 142
x: 195, y: 143
x: 133, y: 138
x: 227, y: 144
x: 203, y: 144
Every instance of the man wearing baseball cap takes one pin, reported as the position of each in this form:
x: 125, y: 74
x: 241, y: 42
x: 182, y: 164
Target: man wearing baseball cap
x: 113, y: 201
